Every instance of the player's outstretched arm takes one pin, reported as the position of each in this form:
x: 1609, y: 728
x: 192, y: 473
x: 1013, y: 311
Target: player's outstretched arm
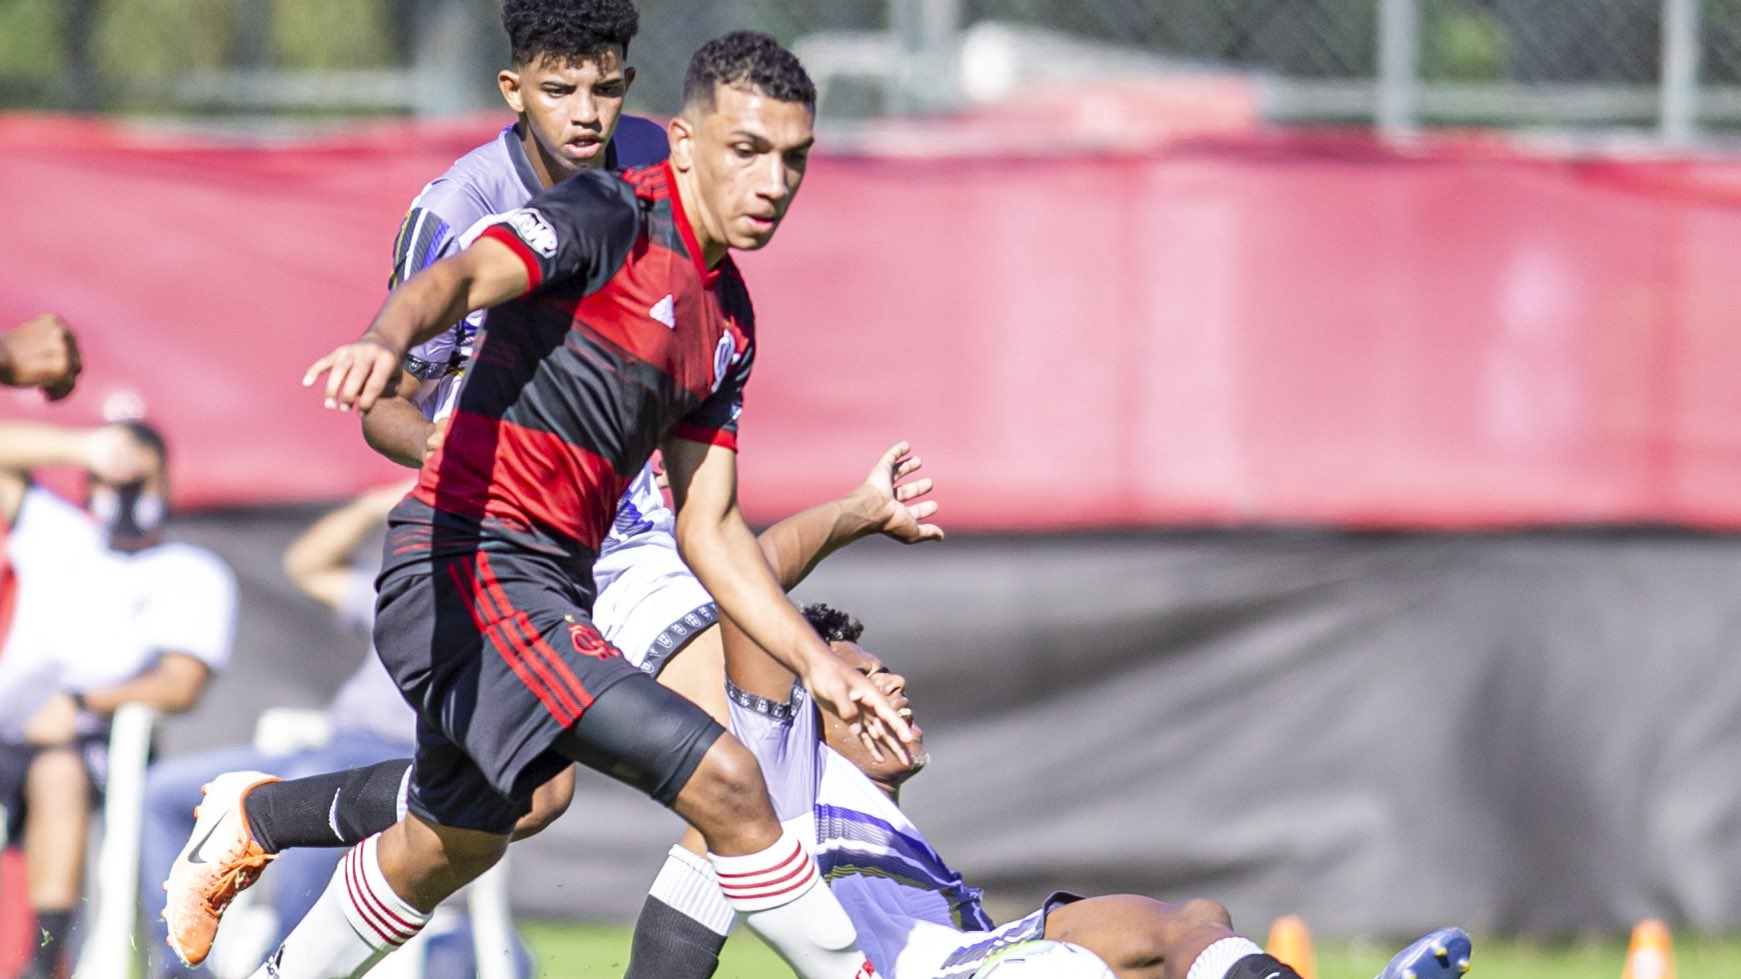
x: 722, y: 552
x: 41, y: 353
x: 396, y: 427
x: 888, y: 502
x: 357, y: 373
x: 106, y: 451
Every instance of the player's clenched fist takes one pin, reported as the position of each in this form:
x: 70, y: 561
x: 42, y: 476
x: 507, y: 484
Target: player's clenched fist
x: 357, y: 373
x: 41, y: 353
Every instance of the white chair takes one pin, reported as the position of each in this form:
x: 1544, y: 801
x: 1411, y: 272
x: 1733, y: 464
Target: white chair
x: 108, y: 951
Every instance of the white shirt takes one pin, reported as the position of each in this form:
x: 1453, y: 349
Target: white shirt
x: 58, y: 556
x: 170, y: 598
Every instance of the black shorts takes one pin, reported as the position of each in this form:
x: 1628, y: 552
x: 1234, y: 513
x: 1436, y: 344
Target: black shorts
x: 15, y: 759
x: 498, y: 655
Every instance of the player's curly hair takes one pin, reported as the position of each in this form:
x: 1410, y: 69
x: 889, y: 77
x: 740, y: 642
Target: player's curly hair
x: 747, y: 59
x: 567, y: 29
x: 832, y: 624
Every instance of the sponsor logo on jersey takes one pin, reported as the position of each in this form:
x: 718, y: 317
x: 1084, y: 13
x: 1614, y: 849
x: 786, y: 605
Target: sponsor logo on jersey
x: 665, y: 311
x: 534, y: 230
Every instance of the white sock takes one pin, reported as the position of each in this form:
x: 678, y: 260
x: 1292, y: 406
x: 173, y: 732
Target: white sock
x: 1215, y: 961
x: 686, y: 883
x: 355, y: 923
x: 780, y: 894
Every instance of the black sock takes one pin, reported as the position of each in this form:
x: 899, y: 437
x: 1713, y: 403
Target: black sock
x: 669, y: 944
x: 303, y: 811
x: 52, y: 928
x: 1261, y: 967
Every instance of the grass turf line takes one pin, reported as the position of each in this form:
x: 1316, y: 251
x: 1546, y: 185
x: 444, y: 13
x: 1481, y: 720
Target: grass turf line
x: 570, y: 951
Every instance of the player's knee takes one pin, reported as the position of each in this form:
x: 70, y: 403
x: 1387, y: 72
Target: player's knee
x: 727, y: 786
x: 58, y: 775
x: 549, y: 802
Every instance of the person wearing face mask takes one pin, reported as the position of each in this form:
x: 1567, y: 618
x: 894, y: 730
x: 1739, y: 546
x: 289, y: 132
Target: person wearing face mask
x: 98, y: 608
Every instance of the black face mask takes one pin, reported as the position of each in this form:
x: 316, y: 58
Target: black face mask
x: 128, y: 512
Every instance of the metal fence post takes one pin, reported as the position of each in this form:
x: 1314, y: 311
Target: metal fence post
x: 1679, y: 105
x: 1399, y: 46
x: 925, y: 33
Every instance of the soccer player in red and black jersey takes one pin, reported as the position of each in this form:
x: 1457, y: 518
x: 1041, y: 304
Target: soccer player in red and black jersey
x: 619, y: 324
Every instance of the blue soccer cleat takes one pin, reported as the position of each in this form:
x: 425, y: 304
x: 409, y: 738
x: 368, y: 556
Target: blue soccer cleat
x: 1442, y: 954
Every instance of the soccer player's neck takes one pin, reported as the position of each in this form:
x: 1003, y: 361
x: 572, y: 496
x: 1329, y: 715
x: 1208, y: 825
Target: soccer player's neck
x: 712, y: 242
x: 549, y: 169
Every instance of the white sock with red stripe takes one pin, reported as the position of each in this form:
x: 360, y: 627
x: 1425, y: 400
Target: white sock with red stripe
x: 781, y: 897
x: 355, y: 923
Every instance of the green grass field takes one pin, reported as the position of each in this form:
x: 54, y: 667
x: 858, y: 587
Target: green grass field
x: 567, y: 951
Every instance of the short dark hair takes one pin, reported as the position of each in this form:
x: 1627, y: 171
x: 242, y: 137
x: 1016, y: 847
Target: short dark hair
x: 747, y: 59
x: 567, y: 30
x: 832, y: 624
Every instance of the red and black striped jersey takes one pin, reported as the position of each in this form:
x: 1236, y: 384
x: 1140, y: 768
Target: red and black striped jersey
x: 624, y: 338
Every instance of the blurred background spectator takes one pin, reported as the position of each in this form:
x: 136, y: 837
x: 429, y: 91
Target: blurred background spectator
x: 110, y: 612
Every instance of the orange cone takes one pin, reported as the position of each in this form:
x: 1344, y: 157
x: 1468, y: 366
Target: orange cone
x: 1652, y: 954
x: 1291, y: 942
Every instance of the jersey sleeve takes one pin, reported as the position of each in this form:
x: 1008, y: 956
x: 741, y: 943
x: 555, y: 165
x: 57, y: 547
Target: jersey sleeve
x: 577, y: 233
x: 715, y: 420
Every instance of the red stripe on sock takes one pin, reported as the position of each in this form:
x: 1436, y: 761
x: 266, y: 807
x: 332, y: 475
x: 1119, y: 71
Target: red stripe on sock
x: 807, y: 873
x: 793, y: 873
x: 369, y: 905
x: 777, y: 867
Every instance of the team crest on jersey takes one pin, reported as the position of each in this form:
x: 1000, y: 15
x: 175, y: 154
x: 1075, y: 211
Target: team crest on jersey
x: 723, y: 356
x: 534, y: 230
x: 587, y: 641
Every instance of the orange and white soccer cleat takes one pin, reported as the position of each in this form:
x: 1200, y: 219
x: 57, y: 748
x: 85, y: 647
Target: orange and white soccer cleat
x: 220, y: 861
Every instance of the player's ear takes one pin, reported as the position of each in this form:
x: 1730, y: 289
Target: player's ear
x: 681, y: 133
x: 508, y: 81
x: 628, y: 78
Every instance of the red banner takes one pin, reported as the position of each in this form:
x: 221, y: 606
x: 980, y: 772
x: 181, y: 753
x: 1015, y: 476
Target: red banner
x: 1274, y: 329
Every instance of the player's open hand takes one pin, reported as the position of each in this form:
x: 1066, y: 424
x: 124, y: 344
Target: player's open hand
x: 358, y: 373
x: 41, y: 353
x: 895, y: 504
x: 852, y: 697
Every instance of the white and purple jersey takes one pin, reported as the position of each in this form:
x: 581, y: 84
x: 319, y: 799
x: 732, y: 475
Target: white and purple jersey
x: 915, y: 917
x: 649, y: 604
x: 492, y: 179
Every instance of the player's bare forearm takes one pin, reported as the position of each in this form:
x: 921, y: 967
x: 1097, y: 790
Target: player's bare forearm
x: 887, y: 502
x: 27, y: 445
x: 725, y: 557
x: 722, y: 552
x: 796, y: 545
x: 360, y: 372
x: 397, y: 429
x: 424, y: 305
